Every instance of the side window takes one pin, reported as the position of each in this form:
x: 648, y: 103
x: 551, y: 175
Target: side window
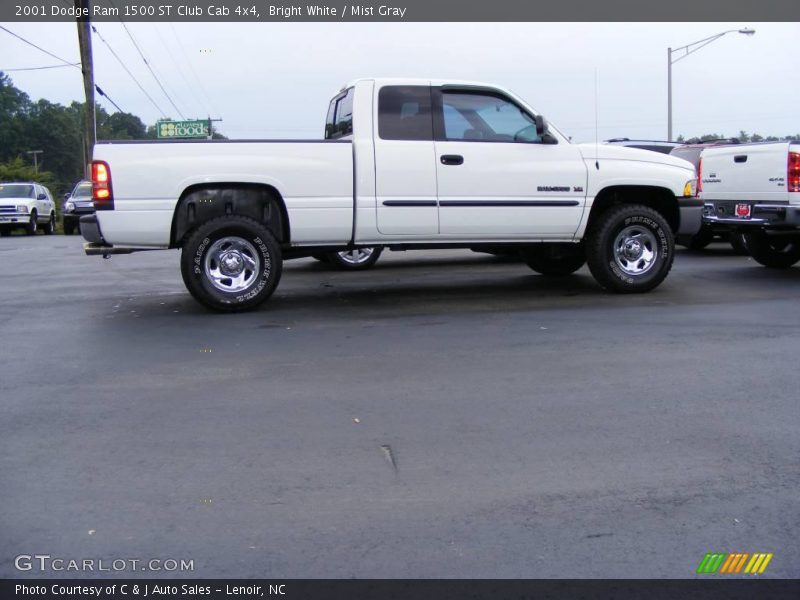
x: 485, y: 117
x: 404, y: 113
x: 340, y: 116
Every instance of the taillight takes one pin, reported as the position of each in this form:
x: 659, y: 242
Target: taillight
x: 102, y: 193
x: 793, y: 172
x: 699, y: 187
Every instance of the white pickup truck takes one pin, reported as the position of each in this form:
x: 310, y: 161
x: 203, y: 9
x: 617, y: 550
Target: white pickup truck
x: 754, y: 189
x: 405, y: 164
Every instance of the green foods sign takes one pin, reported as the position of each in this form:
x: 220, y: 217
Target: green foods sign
x: 182, y: 129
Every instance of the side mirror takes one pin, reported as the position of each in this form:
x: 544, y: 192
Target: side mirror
x: 68, y: 195
x: 41, y: 197
x: 541, y: 125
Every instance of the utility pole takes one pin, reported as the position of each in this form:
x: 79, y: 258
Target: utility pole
x: 87, y: 67
x: 211, y: 126
x: 36, y: 154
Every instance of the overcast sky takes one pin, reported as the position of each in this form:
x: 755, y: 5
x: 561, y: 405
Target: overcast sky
x: 275, y: 79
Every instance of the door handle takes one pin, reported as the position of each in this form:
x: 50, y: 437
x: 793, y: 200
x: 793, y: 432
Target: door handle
x: 452, y: 159
x: 740, y: 158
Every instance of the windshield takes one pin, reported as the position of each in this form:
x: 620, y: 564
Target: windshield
x: 16, y: 190
x: 83, y: 190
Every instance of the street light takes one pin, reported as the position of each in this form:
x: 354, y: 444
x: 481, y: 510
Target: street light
x: 687, y: 50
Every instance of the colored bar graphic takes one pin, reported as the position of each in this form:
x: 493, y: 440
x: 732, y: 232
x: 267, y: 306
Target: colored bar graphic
x: 715, y: 562
x: 710, y: 563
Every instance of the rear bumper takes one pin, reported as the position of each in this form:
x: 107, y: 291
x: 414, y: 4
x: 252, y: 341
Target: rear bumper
x: 764, y: 215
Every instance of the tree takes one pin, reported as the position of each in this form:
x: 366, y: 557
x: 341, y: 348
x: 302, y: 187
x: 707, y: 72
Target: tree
x: 17, y: 170
x: 56, y: 129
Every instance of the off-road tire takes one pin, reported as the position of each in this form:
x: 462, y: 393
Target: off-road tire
x: 265, y: 276
x: 604, y: 234
x: 773, y: 252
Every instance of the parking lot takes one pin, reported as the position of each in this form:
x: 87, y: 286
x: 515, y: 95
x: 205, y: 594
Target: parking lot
x: 447, y: 414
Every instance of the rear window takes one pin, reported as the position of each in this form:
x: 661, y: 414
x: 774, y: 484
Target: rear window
x: 340, y: 116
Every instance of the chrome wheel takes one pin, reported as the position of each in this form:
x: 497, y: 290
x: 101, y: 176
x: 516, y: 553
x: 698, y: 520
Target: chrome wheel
x: 356, y: 256
x: 635, y: 250
x: 232, y: 264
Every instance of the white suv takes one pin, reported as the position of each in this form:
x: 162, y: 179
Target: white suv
x: 28, y: 206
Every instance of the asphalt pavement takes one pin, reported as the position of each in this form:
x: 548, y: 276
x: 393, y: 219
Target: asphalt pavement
x: 446, y: 414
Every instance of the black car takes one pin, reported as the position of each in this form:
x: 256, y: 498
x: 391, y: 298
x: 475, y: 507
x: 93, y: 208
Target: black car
x: 76, y: 205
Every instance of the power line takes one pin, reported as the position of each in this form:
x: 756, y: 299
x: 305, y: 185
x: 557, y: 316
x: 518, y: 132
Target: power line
x: 171, y: 56
x: 149, y: 97
x: 66, y: 62
x: 40, y: 68
x: 200, y: 87
x: 147, y: 64
x: 104, y: 95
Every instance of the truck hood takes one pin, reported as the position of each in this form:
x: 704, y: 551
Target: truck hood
x: 593, y: 152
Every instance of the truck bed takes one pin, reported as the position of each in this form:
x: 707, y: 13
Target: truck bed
x: 150, y: 177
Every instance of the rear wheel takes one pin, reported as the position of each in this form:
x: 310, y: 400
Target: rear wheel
x: 554, y: 259
x: 357, y: 259
x: 33, y: 225
x: 773, y: 252
x: 50, y: 227
x: 630, y: 249
x: 231, y: 264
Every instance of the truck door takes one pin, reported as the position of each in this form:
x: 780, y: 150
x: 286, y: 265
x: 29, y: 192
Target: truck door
x: 497, y: 177
x: 405, y: 165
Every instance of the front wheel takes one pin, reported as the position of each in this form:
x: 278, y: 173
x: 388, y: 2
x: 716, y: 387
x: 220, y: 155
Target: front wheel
x: 554, y: 259
x: 773, y: 252
x: 630, y: 249
x: 231, y: 264
x: 33, y: 225
x: 357, y: 259
x: 50, y: 227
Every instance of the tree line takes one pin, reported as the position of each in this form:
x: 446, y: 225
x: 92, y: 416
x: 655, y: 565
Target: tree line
x: 742, y: 138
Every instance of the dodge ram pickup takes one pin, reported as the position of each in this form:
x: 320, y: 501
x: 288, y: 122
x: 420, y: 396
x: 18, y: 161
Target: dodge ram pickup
x: 754, y: 189
x: 405, y: 164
